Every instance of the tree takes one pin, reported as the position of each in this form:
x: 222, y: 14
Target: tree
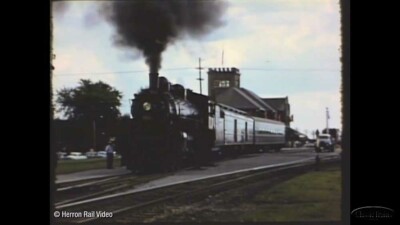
x: 93, y: 109
x: 89, y: 101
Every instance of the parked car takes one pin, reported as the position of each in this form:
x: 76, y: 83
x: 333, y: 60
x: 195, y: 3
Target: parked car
x: 76, y: 155
x: 103, y: 154
x: 61, y: 155
x: 91, y: 154
x: 309, y: 145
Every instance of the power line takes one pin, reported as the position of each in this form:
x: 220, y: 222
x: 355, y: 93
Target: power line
x: 99, y: 73
x: 190, y: 68
x: 292, y: 70
x: 118, y: 72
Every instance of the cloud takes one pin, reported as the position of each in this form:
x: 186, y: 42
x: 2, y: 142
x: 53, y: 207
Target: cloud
x: 71, y: 61
x: 293, y: 36
x: 289, y: 34
x: 73, y: 64
x: 59, y: 9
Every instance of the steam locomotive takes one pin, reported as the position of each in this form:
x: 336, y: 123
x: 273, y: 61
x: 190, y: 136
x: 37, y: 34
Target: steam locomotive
x: 172, y: 124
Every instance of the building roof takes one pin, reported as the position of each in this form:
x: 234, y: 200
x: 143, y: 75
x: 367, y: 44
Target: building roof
x: 277, y: 103
x: 293, y: 132
x: 242, y: 98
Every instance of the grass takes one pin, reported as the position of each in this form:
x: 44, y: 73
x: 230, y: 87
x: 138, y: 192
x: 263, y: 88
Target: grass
x: 315, y: 196
x: 72, y: 166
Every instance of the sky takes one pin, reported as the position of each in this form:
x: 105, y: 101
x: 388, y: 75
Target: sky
x: 281, y: 47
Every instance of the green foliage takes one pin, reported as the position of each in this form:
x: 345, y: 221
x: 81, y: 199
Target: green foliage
x: 89, y: 101
x: 72, y: 166
x: 315, y: 196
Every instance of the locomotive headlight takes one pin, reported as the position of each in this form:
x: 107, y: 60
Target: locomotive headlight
x: 146, y: 106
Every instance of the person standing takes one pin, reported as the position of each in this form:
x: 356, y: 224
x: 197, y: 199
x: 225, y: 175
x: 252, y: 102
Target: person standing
x: 110, y: 154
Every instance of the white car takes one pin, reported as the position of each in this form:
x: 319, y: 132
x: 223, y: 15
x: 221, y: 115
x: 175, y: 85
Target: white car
x: 76, y: 155
x: 61, y: 155
x: 91, y: 154
x: 103, y: 154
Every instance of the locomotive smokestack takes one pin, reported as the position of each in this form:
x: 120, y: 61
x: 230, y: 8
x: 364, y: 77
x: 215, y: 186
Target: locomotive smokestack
x: 153, y: 81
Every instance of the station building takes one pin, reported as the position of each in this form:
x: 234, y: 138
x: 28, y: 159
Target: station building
x: 224, y: 87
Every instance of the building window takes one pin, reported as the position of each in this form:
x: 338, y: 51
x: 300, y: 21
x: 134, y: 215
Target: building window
x: 221, y: 83
x: 216, y: 83
x: 224, y: 83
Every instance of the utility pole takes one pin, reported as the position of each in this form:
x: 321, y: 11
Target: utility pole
x: 222, y: 58
x: 200, y: 79
x: 94, y: 135
x: 327, y: 118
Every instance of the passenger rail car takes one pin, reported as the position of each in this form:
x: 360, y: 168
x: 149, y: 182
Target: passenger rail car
x: 235, y: 129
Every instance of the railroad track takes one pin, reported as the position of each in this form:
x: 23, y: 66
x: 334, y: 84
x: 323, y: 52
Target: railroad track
x: 82, y: 183
x: 79, y: 182
x: 119, y: 206
x: 69, y: 192
x: 91, y: 189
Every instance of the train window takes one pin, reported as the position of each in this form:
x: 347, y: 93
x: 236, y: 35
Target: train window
x: 211, y: 109
x: 221, y: 114
x: 178, y: 108
x: 171, y: 107
x: 235, y: 131
x: 245, y: 131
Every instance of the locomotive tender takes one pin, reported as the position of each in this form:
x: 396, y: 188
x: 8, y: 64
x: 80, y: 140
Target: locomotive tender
x: 171, y: 123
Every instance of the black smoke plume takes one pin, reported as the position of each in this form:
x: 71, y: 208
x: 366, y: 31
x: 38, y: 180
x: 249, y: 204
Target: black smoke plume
x: 150, y: 25
x: 59, y: 8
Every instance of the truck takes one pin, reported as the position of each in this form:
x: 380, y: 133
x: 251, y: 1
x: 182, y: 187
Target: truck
x: 335, y: 134
x: 324, y: 142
